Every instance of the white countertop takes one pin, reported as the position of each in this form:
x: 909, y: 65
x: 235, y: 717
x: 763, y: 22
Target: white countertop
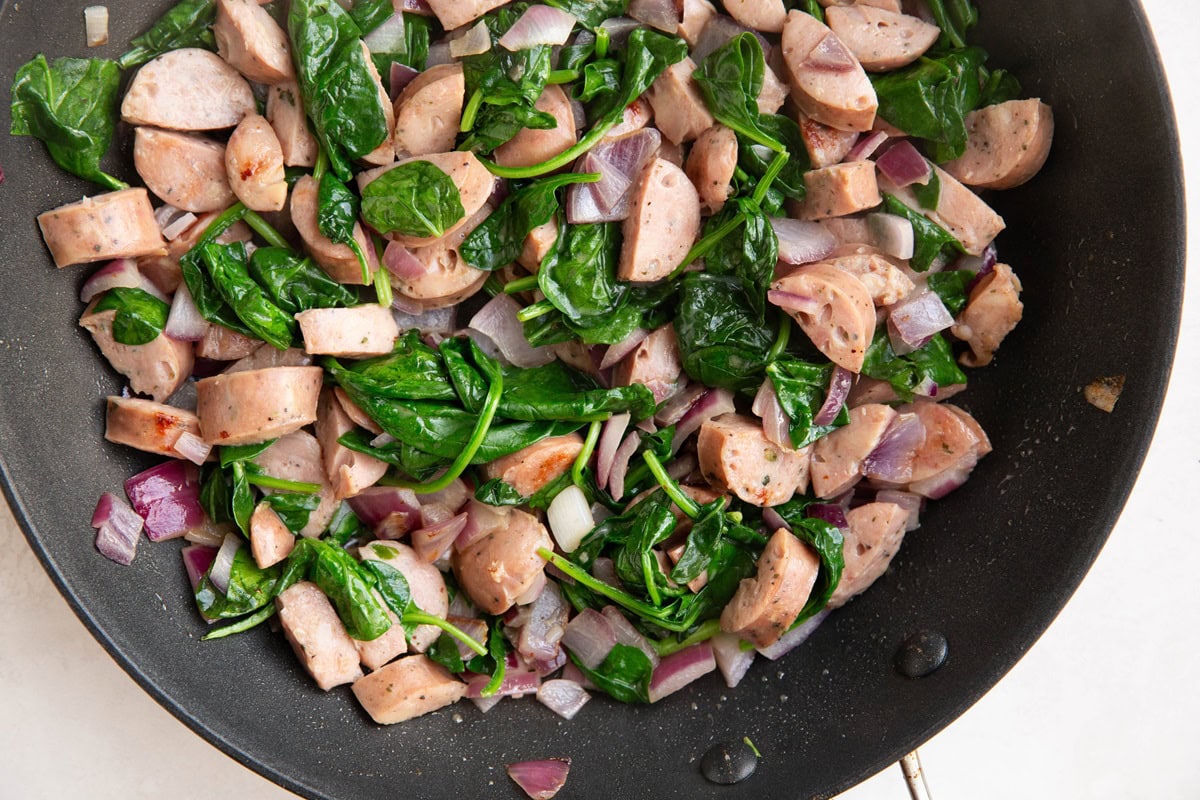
x: 1104, y: 706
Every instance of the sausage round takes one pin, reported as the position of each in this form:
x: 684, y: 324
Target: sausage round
x: 317, y: 635
x: 993, y: 309
x: 762, y: 15
x: 425, y: 583
x: 429, y: 110
x: 187, y: 90
x: 472, y: 178
x: 503, y: 564
x: 655, y: 363
x: 285, y: 112
x: 840, y: 189
x: 146, y: 425
x: 532, y: 145
x: 532, y: 467
x: 872, y: 539
x: 250, y: 39
x: 1007, y: 144
x: 680, y: 112
x: 254, y: 165
x: 764, y: 606
x: 157, y: 368
x: 112, y: 225
x: 735, y: 455
x: 183, y: 169
x: 349, y: 472
x: 447, y: 279
x: 841, y: 321
x: 270, y: 540
x: 407, y: 688
x: 837, y: 458
x: 338, y: 260
x: 710, y: 167
x: 827, y: 81
x: 357, y: 332
x: 257, y: 405
x: 663, y: 223
x: 881, y: 40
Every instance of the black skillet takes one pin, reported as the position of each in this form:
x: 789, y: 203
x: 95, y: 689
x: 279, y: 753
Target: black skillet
x: 1098, y: 242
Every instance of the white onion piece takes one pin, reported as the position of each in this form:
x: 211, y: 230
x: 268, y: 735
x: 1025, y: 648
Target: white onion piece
x: 794, y: 638
x: 802, y: 242
x: 538, y: 25
x: 184, y: 323
x: 438, y: 320
x: 570, y: 518
x: 629, y: 635
x: 118, y: 529
x: 563, y: 697
x: 413, y: 7
x: 615, y: 352
x: 980, y: 264
x: 620, y: 466
x: 475, y: 41
x: 223, y: 564
x: 191, y: 447
x: 732, y: 660
x: 118, y: 273
x: 541, y: 780
x: 606, y: 448
x: 892, y: 459
x: 714, y: 403
x: 773, y: 521
x: 660, y: 14
x: 197, y: 559
x: 866, y: 146
x: 891, y: 234
x: 839, y: 389
x: 95, y: 23
x: 590, y: 637
x: 776, y: 423
x: 388, y: 37
x: 164, y: 214
x: 915, y: 319
x: 831, y: 56
x: 498, y: 321
x: 178, y: 226
x: 908, y: 501
x: 679, y: 669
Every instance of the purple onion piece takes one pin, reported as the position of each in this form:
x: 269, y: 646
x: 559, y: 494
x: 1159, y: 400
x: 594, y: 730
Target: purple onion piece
x: 620, y: 465
x: 679, y: 669
x: 795, y: 637
x: 540, y: 642
x: 563, y: 697
x: 516, y: 683
x: 431, y: 542
x: 498, y: 321
x: 616, y: 352
x: 191, y: 447
x: 915, y: 319
x: 713, y: 404
x: 680, y: 403
x: 539, y: 25
x: 379, y: 503
x: 866, y: 146
x: 903, y: 164
x: 829, y: 512
x: 589, y: 636
x: 197, y: 560
x: 660, y: 14
x: 802, y: 242
x: 717, y: 32
x: 629, y: 635
x: 611, y: 436
x: 892, y: 459
x: 184, y: 322
x: 167, y: 497
x: 830, y: 56
x: 773, y: 520
x: 118, y: 529
x: 908, y: 501
x: 789, y: 301
x: 388, y: 37
x: 541, y: 780
x: 776, y: 423
x: 400, y: 76
x: 839, y: 389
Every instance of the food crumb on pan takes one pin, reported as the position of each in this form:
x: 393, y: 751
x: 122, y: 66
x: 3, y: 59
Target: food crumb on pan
x: 1103, y: 392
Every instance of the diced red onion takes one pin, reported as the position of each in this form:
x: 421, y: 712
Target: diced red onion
x: 589, y: 636
x: 717, y: 32
x: 833, y: 514
x: 618, y: 160
x: 569, y: 517
x: 802, y: 242
x: 980, y: 264
x: 399, y: 76
x: 773, y: 520
x: 413, y: 7
x: 938, y: 486
x: 713, y: 404
x: 475, y: 41
x: 603, y: 569
x: 118, y: 529
x: 775, y: 421
x: 433, y: 513
x: 184, y: 323
x: 164, y: 214
x: 431, y: 542
x: 660, y: 14
x: 915, y: 319
x: 532, y: 592
x: 476, y: 629
x: 908, y: 501
x: 892, y: 458
x: 563, y: 697
x: 400, y: 261
x: 541, y: 780
x: 538, y: 25
x: 629, y: 635
x: 95, y: 23
x: 441, y: 321
x: 541, y: 637
x: 683, y: 466
x: 223, y: 562
x: 732, y: 660
x: 498, y: 321
x: 615, y: 352
x: 516, y: 683
x: 795, y: 637
x: 388, y: 37
x: 191, y: 447
x: 207, y: 534
x: 481, y: 520
x: 197, y: 560
x: 375, y: 505
x: 439, y: 53
x: 891, y: 234
x: 835, y: 398
x: 167, y: 497
x: 119, y: 273
x: 572, y: 673
x: 680, y: 403
x: 382, y: 440
x: 486, y: 704
x: 679, y: 669
x: 453, y: 497
x: 178, y: 226
x: 789, y: 301
x: 611, y: 436
x: 903, y: 164
x: 620, y: 465
x: 866, y: 146
x: 619, y: 29
x: 830, y: 55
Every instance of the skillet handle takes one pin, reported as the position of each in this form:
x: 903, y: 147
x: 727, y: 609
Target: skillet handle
x: 914, y: 777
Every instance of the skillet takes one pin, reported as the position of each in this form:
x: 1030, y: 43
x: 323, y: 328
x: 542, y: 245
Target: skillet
x: 1097, y: 239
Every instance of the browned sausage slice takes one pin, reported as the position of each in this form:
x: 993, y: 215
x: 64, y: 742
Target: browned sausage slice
x: 874, y: 537
x: 250, y: 39
x: 356, y: 332
x: 254, y: 165
x: 694, y: 15
x: 349, y: 472
x: 112, y: 225
x: 183, y: 169
x: 317, y: 636
x: 952, y: 437
x: 959, y: 210
x: 270, y: 540
x: 886, y: 281
x: 408, y: 688
x: 503, y: 564
x: 841, y: 321
x: 336, y: 259
x: 680, y: 112
x: 532, y: 467
x: 764, y: 606
x: 285, y: 112
x: 840, y: 189
x: 993, y: 309
x: 1007, y: 144
x: 157, y: 368
x: 425, y: 583
x: 187, y: 90
x: 735, y: 455
x: 838, y: 457
x: 222, y: 344
x: 429, y: 110
x: 881, y: 40
x: 710, y: 167
x: 538, y: 244
x: 456, y: 13
x: 655, y: 364
x: 533, y: 146
x: 663, y: 223
x: 827, y: 81
x: 825, y: 145
x: 761, y: 15
x: 257, y: 405
x: 149, y: 426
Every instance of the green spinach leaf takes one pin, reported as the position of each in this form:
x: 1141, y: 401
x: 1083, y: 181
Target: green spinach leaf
x: 337, y: 574
x: 934, y: 362
x: 731, y: 78
x: 296, y: 284
x: 293, y: 509
x: 187, y: 24
x: 955, y: 18
x: 931, y: 239
x: 231, y: 277
x: 721, y: 338
x: 623, y: 675
x: 579, y: 275
x: 952, y: 287
x: 140, y: 316
x: 750, y: 253
x: 801, y: 388
x: 249, y: 589
x: 337, y: 214
x: 413, y: 199
x: 591, y: 13
x: 412, y: 371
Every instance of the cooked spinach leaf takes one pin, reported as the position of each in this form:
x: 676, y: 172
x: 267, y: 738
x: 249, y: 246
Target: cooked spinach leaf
x: 749, y: 253
x: 293, y: 509
x: 931, y: 239
x: 591, y: 13
x: 801, y: 388
x: 413, y: 199
x: 337, y: 214
x: 412, y: 371
x: 623, y: 675
x: 296, y: 284
x: 721, y: 338
x: 934, y: 362
x: 827, y: 541
x: 579, y: 275
x: 229, y: 274
x: 249, y: 589
x: 140, y: 316
x: 952, y: 286
x: 731, y: 78
x: 187, y: 24
x: 955, y: 18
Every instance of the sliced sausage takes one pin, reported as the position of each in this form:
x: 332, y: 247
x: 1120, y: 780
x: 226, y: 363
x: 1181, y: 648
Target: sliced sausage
x: 270, y: 540
x: 385, y: 152
x: 256, y: 405
x: 382, y: 649
x: 354, y: 412
x: 764, y: 607
x: 959, y: 210
x: 636, y: 116
x: 736, y: 456
x: 533, y: 146
x: 680, y: 112
x: 146, y: 425
x: 222, y: 344
x: 250, y: 39
x: 296, y: 456
x: 472, y: 178
x: 456, y: 13
x: 881, y: 40
x: 266, y: 356
x: 840, y: 189
x: 886, y: 282
x: 694, y: 15
x: 1007, y: 144
x: 845, y: 230
x: 993, y: 309
x: 710, y: 167
x: 446, y: 278
x: 953, y: 445
x: 655, y: 364
x: 429, y: 110
x: 111, y: 225
x: 356, y: 332
x: 532, y: 467
x: 183, y: 169
x: 164, y: 272
x: 254, y: 165
x: 873, y: 538
x: 774, y: 93
x: 762, y: 15
x: 285, y: 112
x: 663, y: 223
x: 187, y: 90
x: 317, y: 636
x: 349, y: 472
x: 538, y: 245
x: 413, y: 685
x: 501, y: 565
x: 425, y: 583
x: 837, y: 458
x: 886, y: 5
x: 157, y: 368
x: 826, y: 79
x: 826, y: 146
x: 338, y: 260
x: 841, y: 322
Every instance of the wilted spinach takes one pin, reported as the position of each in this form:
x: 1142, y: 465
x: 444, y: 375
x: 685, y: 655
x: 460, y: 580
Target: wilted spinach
x: 802, y: 388
x: 931, y: 239
x: 750, y: 252
x: 296, y: 284
x: 140, y: 316
x: 187, y: 24
x: 955, y: 18
x: 591, y: 13
x: 337, y: 214
x: 624, y: 674
x: 932, y: 362
x: 229, y: 274
x: 413, y: 199
x: 731, y: 78
x: 952, y: 286
x: 721, y: 338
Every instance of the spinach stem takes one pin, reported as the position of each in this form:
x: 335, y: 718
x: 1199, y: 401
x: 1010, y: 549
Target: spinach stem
x: 686, y: 504
x: 534, y: 311
x: 281, y: 484
x: 362, y: 261
x: 601, y: 41
x: 383, y: 278
x: 492, y: 286
x: 706, y: 630
x: 623, y: 599
x: 423, y: 618
x: 243, y: 624
x: 585, y: 455
x: 226, y: 220
x: 764, y: 184
x: 649, y: 567
x: 781, y: 338
x: 526, y: 284
x: 559, y: 76
x: 321, y: 166
x: 264, y: 229
x: 590, y: 139
x: 471, y: 112
x: 701, y: 248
